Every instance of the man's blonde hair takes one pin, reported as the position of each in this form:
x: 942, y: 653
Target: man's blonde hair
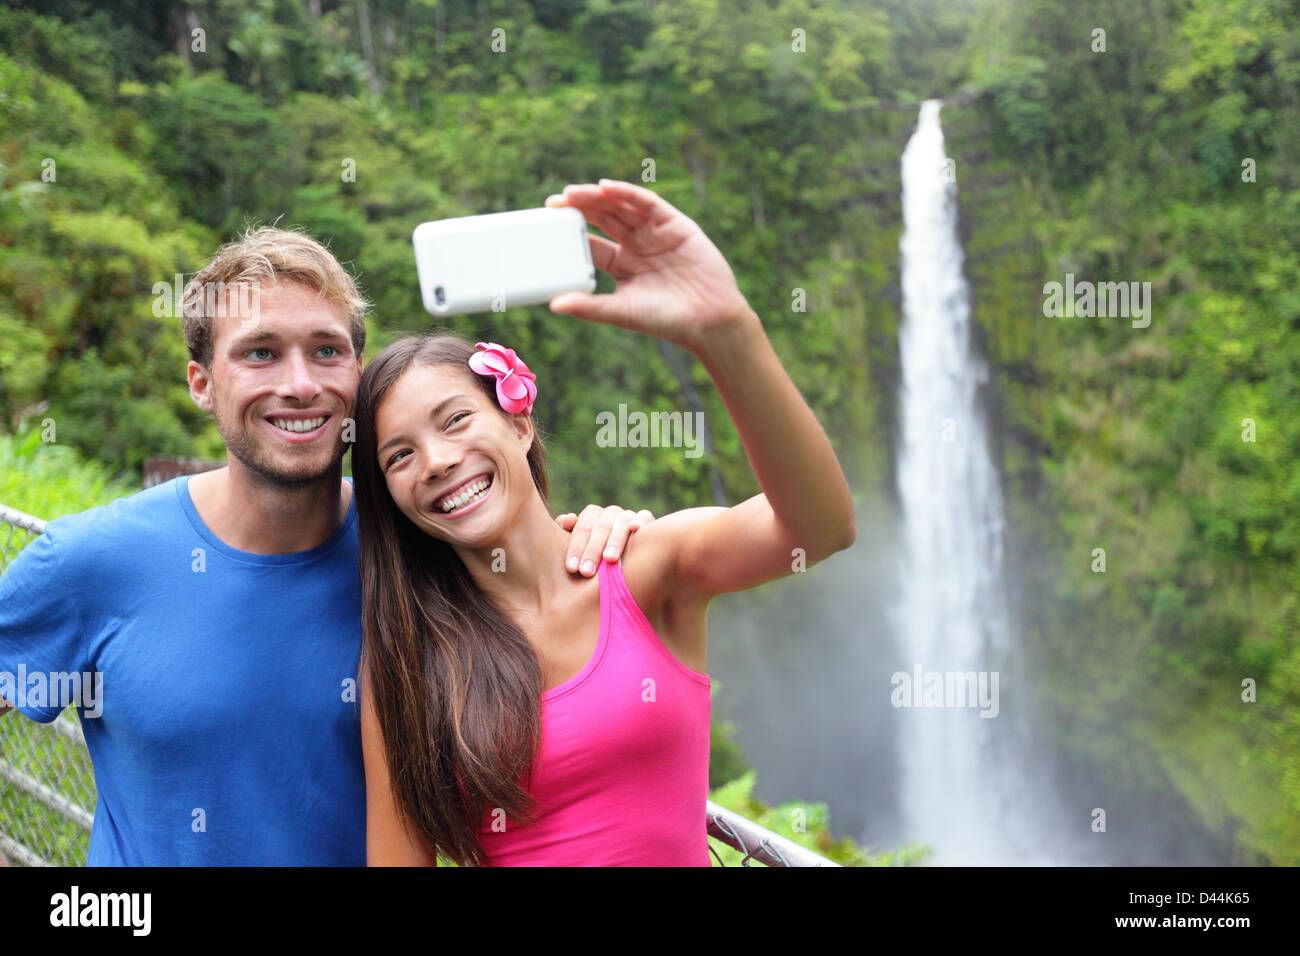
x: 264, y: 255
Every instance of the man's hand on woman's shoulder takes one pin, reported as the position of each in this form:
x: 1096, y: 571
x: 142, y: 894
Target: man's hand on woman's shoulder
x: 599, y: 532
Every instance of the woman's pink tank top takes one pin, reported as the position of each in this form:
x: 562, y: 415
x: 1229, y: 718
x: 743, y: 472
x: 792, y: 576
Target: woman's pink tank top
x: 622, y: 775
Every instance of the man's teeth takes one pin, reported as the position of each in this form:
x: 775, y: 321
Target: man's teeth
x: 469, y: 495
x: 295, y: 426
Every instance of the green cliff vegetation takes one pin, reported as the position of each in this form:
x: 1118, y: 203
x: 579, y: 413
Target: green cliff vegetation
x: 1167, y: 159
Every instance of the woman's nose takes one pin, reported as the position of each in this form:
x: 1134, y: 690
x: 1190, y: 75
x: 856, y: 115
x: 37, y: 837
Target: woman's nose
x: 440, y: 459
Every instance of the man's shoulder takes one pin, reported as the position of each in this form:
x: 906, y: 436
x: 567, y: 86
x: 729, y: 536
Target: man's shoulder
x: 143, y: 515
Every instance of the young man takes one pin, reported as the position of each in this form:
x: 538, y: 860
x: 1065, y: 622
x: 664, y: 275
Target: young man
x: 214, y: 620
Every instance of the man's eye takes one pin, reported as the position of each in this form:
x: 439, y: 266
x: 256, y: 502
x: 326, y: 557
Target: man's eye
x: 330, y: 347
x: 255, y: 351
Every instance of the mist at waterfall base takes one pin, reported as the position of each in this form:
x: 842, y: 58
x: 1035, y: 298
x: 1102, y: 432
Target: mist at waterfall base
x: 806, y: 665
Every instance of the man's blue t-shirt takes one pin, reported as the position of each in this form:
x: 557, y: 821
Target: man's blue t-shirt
x: 229, y: 732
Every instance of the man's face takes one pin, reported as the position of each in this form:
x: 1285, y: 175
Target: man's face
x: 283, y: 380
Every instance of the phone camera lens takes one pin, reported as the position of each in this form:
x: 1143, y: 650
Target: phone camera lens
x: 440, y: 295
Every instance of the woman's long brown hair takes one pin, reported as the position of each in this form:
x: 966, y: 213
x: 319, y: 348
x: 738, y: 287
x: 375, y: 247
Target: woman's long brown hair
x: 456, y: 684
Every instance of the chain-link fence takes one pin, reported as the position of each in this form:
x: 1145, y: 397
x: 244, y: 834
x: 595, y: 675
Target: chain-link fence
x: 47, y: 785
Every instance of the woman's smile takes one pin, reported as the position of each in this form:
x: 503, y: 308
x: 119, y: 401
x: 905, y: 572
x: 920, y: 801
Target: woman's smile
x: 465, y: 497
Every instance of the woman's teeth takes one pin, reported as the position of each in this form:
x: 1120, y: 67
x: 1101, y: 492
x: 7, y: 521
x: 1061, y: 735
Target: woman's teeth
x: 469, y: 495
x: 296, y: 426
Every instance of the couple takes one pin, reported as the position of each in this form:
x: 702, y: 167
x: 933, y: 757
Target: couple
x: 510, y: 713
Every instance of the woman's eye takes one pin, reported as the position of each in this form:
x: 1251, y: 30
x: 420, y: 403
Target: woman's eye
x: 394, y: 459
x: 457, y: 417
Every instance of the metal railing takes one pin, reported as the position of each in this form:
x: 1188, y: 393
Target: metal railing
x: 47, y: 783
x: 756, y: 842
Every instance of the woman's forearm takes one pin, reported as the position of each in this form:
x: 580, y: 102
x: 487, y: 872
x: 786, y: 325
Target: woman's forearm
x: 787, y: 447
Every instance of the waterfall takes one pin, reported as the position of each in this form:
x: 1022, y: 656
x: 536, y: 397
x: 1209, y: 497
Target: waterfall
x: 807, y: 665
x: 961, y: 789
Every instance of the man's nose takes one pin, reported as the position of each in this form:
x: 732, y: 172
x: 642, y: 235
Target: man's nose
x: 299, y: 380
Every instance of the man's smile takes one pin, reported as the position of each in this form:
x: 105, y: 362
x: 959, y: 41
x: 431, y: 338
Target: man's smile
x: 299, y: 426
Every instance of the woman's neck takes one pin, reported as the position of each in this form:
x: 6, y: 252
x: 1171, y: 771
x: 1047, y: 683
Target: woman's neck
x: 524, y: 570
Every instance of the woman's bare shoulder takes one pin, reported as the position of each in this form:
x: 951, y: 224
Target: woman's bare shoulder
x: 650, y: 558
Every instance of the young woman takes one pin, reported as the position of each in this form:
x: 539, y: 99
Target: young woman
x: 515, y: 715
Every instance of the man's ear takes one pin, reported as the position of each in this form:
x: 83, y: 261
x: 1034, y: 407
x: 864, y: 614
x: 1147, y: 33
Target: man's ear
x: 199, y: 379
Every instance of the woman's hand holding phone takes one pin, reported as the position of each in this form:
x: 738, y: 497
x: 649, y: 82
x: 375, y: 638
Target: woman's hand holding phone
x: 673, y: 283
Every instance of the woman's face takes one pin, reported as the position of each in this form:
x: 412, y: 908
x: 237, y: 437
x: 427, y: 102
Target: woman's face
x: 455, y: 463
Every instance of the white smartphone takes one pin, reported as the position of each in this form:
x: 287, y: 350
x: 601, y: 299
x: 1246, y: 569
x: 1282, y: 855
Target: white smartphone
x: 501, y: 260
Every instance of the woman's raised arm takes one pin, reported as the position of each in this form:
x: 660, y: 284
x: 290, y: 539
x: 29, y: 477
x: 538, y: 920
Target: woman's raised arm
x: 674, y: 283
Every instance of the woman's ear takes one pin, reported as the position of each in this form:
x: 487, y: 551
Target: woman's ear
x: 523, y: 425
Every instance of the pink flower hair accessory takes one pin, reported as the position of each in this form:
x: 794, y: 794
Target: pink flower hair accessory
x: 515, y: 389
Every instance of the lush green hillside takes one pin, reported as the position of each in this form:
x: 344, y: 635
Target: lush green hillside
x: 1127, y: 165
x: 159, y: 156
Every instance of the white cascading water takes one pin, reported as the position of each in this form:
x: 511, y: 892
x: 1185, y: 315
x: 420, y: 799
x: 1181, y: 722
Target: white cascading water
x: 961, y: 792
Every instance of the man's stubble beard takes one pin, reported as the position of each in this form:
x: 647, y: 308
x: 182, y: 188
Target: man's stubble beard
x: 241, y: 443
